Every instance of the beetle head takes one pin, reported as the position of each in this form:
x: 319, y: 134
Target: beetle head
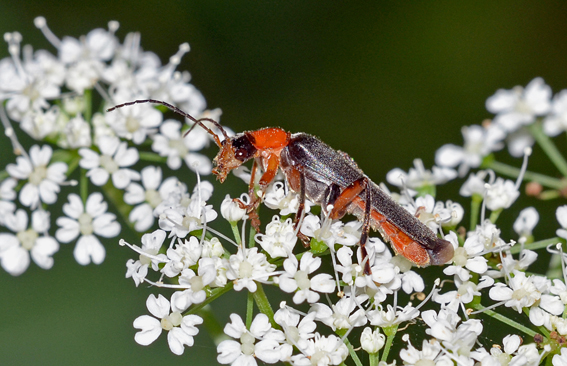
x: 233, y: 152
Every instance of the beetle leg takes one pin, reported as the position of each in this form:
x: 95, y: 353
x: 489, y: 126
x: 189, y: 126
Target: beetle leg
x: 343, y: 201
x: 254, y: 200
x: 366, y: 230
x: 340, y: 207
x: 300, y: 212
x: 270, y: 164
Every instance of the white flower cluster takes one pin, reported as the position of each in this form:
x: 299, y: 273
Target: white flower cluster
x: 52, y: 97
x: 335, y: 308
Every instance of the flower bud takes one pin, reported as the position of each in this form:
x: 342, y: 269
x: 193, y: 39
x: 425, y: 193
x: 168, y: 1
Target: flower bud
x: 372, y: 342
x: 231, y: 210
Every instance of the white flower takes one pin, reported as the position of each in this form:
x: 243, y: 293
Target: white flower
x: 468, y: 257
x: 412, y: 282
x: 279, y: 239
x: 560, y: 360
x: 231, y: 210
x: 147, y: 196
x: 85, y: 57
x: 174, y: 86
x: 341, y: 315
x: 527, y: 354
x: 76, y: 133
x: 559, y: 289
x: 43, y: 180
x: 98, y: 44
x: 171, y: 143
x: 87, y: 221
x: 297, y: 279
x: 487, y: 236
x: 114, y: 159
x: 372, y: 341
x: 521, y: 293
x: 419, y: 177
x: 432, y: 215
x: 430, y: 354
x: 16, y: 249
x: 464, y: 293
x: 322, y: 351
x: 297, y: 331
x: 151, y: 244
x: 261, y: 341
x: 474, y: 184
x: 526, y: 222
x: 195, y: 284
x: 459, y: 338
x: 28, y: 84
x: 185, y: 254
x: 83, y: 74
x: 331, y: 233
x: 519, y: 106
x: 181, y: 329
x: 247, y: 266
x: 391, y: 316
x: 181, y: 214
x: 7, y: 195
x: 556, y: 121
x: 518, y: 141
x: 479, y: 142
x: 561, y: 215
x: 277, y: 198
x: 38, y: 124
x: 135, y: 122
x: 350, y: 270
x: 449, y: 214
x: 501, y: 194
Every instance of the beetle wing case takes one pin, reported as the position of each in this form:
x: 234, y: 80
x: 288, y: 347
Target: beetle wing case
x: 324, y: 167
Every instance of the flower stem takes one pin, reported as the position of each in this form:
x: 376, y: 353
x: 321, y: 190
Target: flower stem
x: 374, y: 359
x: 263, y: 304
x: 236, y: 233
x: 252, y: 236
x: 476, y: 201
x: 155, y: 158
x: 505, y: 320
x: 494, y: 215
x: 249, y: 310
x: 352, y: 353
x: 88, y: 100
x: 514, y: 172
x: 84, y: 185
x: 216, y: 293
x: 537, y: 245
x: 549, y: 148
x: 390, y: 333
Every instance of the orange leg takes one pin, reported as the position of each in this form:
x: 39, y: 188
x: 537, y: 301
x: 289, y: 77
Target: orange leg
x: 347, y: 196
x: 341, y: 204
x: 271, y: 164
x: 254, y: 200
x: 300, y: 211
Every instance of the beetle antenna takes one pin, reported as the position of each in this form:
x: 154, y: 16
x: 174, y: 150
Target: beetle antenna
x: 182, y: 113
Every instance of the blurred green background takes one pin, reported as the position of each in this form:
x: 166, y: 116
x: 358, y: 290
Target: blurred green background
x: 386, y: 82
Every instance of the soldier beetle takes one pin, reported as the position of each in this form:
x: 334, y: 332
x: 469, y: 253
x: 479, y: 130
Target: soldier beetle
x: 328, y: 178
